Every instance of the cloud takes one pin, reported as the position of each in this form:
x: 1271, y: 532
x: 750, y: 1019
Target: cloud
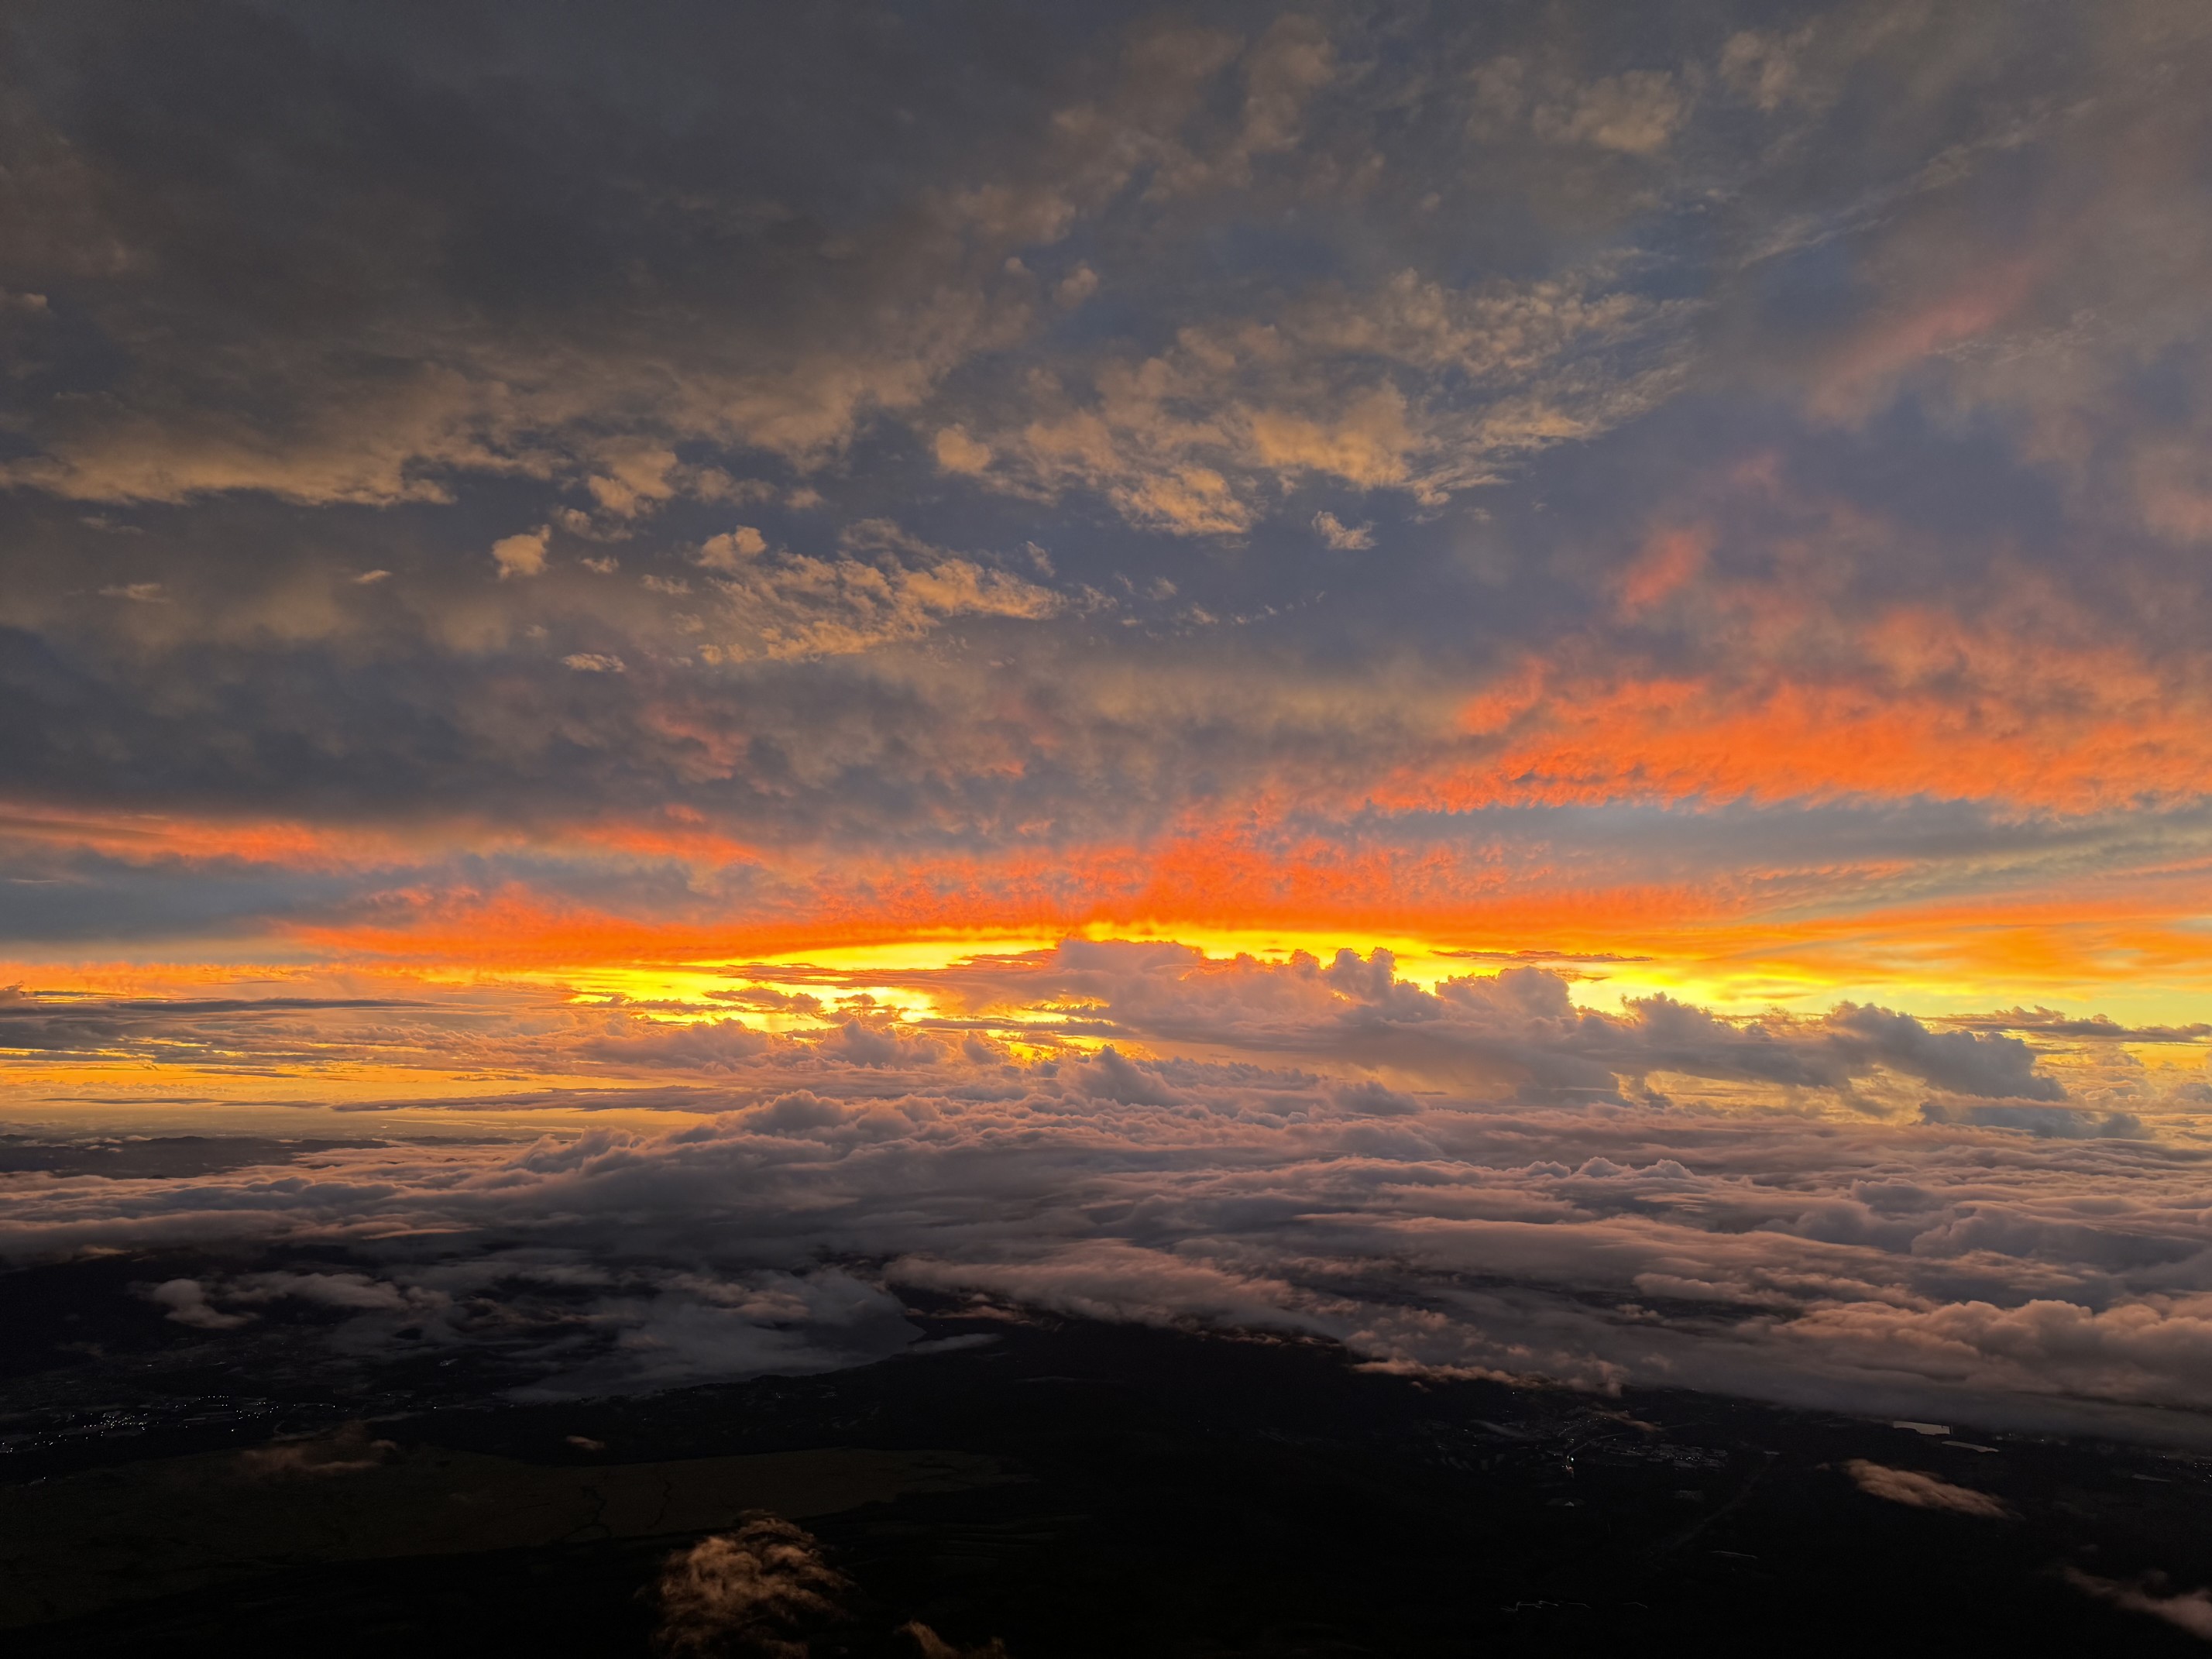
x: 1079, y: 285
x: 1345, y: 539
x: 758, y: 1590
x: 729, y: 551
x: 1108, y: 1076
x: 522, y: 554
x: 802, y: 606
x: 1456, y: 391
x: 187, y: 1302
x: 2100, y: 1028
x: 1636, y: 113
x: 1788, y: 445
x: 634, y: 478
x: 349, y: 1450
x: 1406, y: 384
x: 701, y: 1045
x: 1969, y: 1062
x: 933, y: 1646
x: 2040, y: 1121
x: 1923, y: 1492
x: 399, y: 379
x: 958, y: 452
x: 2191, y: 1610
x: 1763, y: 68
x: 1479, y: 1179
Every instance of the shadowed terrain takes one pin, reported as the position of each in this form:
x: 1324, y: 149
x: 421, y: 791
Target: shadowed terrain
x: 1084, y: 1489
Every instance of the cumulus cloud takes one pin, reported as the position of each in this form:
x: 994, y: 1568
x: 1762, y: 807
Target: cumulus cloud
x: 1969, y: 1062
x: 759, y: 1591
x: 187, y: 1302
x: 729, y: 551
x: 958, y: 452
x: 699, y: 1045
x: 522, y: 554
x: 1079, y: 285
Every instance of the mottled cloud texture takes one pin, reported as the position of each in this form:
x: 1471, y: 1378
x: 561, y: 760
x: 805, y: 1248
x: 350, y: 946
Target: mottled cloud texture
x: 815, y: 603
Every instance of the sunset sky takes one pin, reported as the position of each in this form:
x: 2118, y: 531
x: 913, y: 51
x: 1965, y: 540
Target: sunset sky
x: 1565, y: 645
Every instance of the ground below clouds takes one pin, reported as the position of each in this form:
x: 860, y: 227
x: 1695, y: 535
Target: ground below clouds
x: 1144, y: 1492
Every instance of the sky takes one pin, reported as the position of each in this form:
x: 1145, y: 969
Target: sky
x: 1525, y: 686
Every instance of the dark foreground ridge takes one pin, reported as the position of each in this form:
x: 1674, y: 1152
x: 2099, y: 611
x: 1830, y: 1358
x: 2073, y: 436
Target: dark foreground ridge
x: 1072, y: 1488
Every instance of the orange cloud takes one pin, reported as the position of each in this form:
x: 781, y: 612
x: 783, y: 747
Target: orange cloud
x: 1668, y: 562
x: 1919, y: 705
x: 145, y: 838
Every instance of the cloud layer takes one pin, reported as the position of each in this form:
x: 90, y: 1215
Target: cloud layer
x: 719, y: 584
x: 1857, y: 1211
x: 814, y: 474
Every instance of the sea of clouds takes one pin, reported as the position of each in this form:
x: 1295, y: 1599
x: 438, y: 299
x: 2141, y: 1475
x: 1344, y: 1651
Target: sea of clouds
x: 1860, y: 1211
